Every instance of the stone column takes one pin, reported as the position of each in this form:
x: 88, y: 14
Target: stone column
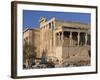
x: 45, y: 36
x: 55, y: 39
x: 42, y: 36
x: 62, y: 38
x: 59, y: 38
x: 85, y: 38
x: 78, y: 38
x: 47, y: 42
x: 70, y: 37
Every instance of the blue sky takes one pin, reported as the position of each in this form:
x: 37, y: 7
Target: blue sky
x: 31, y: 18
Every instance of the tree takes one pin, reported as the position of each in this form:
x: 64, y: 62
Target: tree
x: 43, y: 58
x: 29, y: 53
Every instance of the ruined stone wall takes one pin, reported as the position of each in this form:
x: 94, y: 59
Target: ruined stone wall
x: 32, y: 38
x: 36, y: 41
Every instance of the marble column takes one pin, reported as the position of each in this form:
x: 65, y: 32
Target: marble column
x: 59, y: 38
x: 78, y: 38
x: 85, y: 38
x: 62, y: 37
x: 70, y: 37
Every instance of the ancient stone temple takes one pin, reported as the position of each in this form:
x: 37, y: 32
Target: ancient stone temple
x: 64, y: 40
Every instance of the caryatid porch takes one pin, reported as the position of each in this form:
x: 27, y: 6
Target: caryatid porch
x: 69, y: 41
x: 67, y: 36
